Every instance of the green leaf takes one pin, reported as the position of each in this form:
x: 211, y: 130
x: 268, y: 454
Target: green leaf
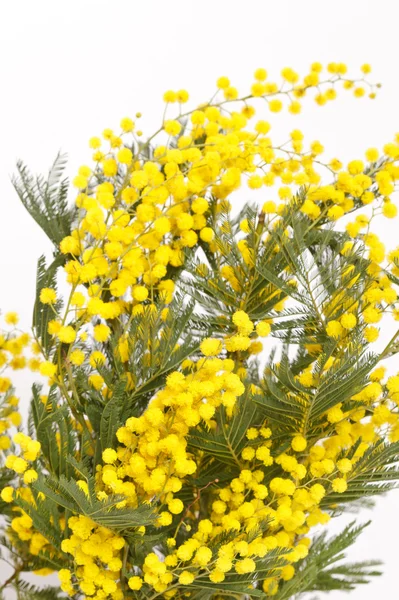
x: 228, y: 440
x: 29, y: 591
x: 69, y: 495
x: 374, y: 473
x: 46, y: 199
x: 319, y: 571
x: 48, y: 419
x: 111, y: 418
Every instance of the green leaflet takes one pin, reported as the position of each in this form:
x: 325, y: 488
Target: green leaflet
x: 46, y: 200
x: 67, y: 494
x: 48, y: 420
x: 227, y: 443
x: 111, y: 418
x: 28, y: 591
x: 319, y: 571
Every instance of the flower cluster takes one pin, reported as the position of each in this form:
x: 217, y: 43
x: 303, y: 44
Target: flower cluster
x: 153, y: 459
x: 166, y: 456
x: 12, y: 347
x: 97, y: 554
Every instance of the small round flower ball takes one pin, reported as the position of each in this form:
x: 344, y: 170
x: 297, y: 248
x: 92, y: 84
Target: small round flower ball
x: 48, y: 296
x: 172, y: 127
x: 223, y: 83
x: 348, y: 321
x: 185, y: 578
x: 207, y: 234
x: 344, y: 465
x: 109, y: 456
x: 140, y: 293
x: 248, y: 453
x: 125, y: 156
x: 199, y: 206
x: 135, y: 583
x: 30, y: 476
x: 252, y: 433
x: 127, y: 124
x: 77, y: 357
x: 269, y: 207
x: 263, y: 329
x: 389, y: 210
x: 211, y: 347
x: 101, y: 332
x: 48, y: 369
x: 170, y: 96
x: 175, y: 506
x: 11, y: 318
x: 339, y: 485
x: 7, y: 494
x: 182, y: 96
x: 287, y: 572
x: 216, y: 576
x: 19, y: 465
x: 67, y: 334
x: 275, y: 105
x: 334, y: 329
x: 299, y: 443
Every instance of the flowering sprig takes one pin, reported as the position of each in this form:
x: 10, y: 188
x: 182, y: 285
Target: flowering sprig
x: 166, y: 458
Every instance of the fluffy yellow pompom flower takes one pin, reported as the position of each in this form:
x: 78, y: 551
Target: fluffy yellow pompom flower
x: 172, y: 127
x: 186, y: 577
x: 299, y: 443
x: 339, y: 485
x: 125, y: 156
x: 170, y: 96
x: 127, y: 124
x: 30, y: 476
x: 135, y: 583
x: 109, y: 456
x: 48, y: 296
x: 101, y: 332
x: 334, y: 329
x: 207, y: 234
x: 48, y: 369
x: 243, y: 323
x: 11, y: 318
x: 140, y: 293
x: 17, y: 464
x: 247, y: 565
x: 348, y: 321
x: 275, y: 105
x: 66, y: 334
x: 389, y: 210
x: 203, y: 556
x: 176, y: 506
x: 80, y: 182
x: 77, y: 357
x: 263, y: 329
x: 211, y: 347
x: 269, y: 207
x: 7, y: 494
x: 182, y: 96
x: 344, y: 465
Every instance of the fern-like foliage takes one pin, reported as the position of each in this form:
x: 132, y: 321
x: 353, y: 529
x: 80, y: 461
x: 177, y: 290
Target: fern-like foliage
x: 46, y: 199
x: 323, y: 570
x: 67, y: 494
x: 175, y: 448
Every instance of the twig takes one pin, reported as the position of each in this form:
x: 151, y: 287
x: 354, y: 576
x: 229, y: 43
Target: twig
x: 13, y: 576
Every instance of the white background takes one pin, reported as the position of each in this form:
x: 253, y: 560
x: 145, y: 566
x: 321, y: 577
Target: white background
x: 70, y: 68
